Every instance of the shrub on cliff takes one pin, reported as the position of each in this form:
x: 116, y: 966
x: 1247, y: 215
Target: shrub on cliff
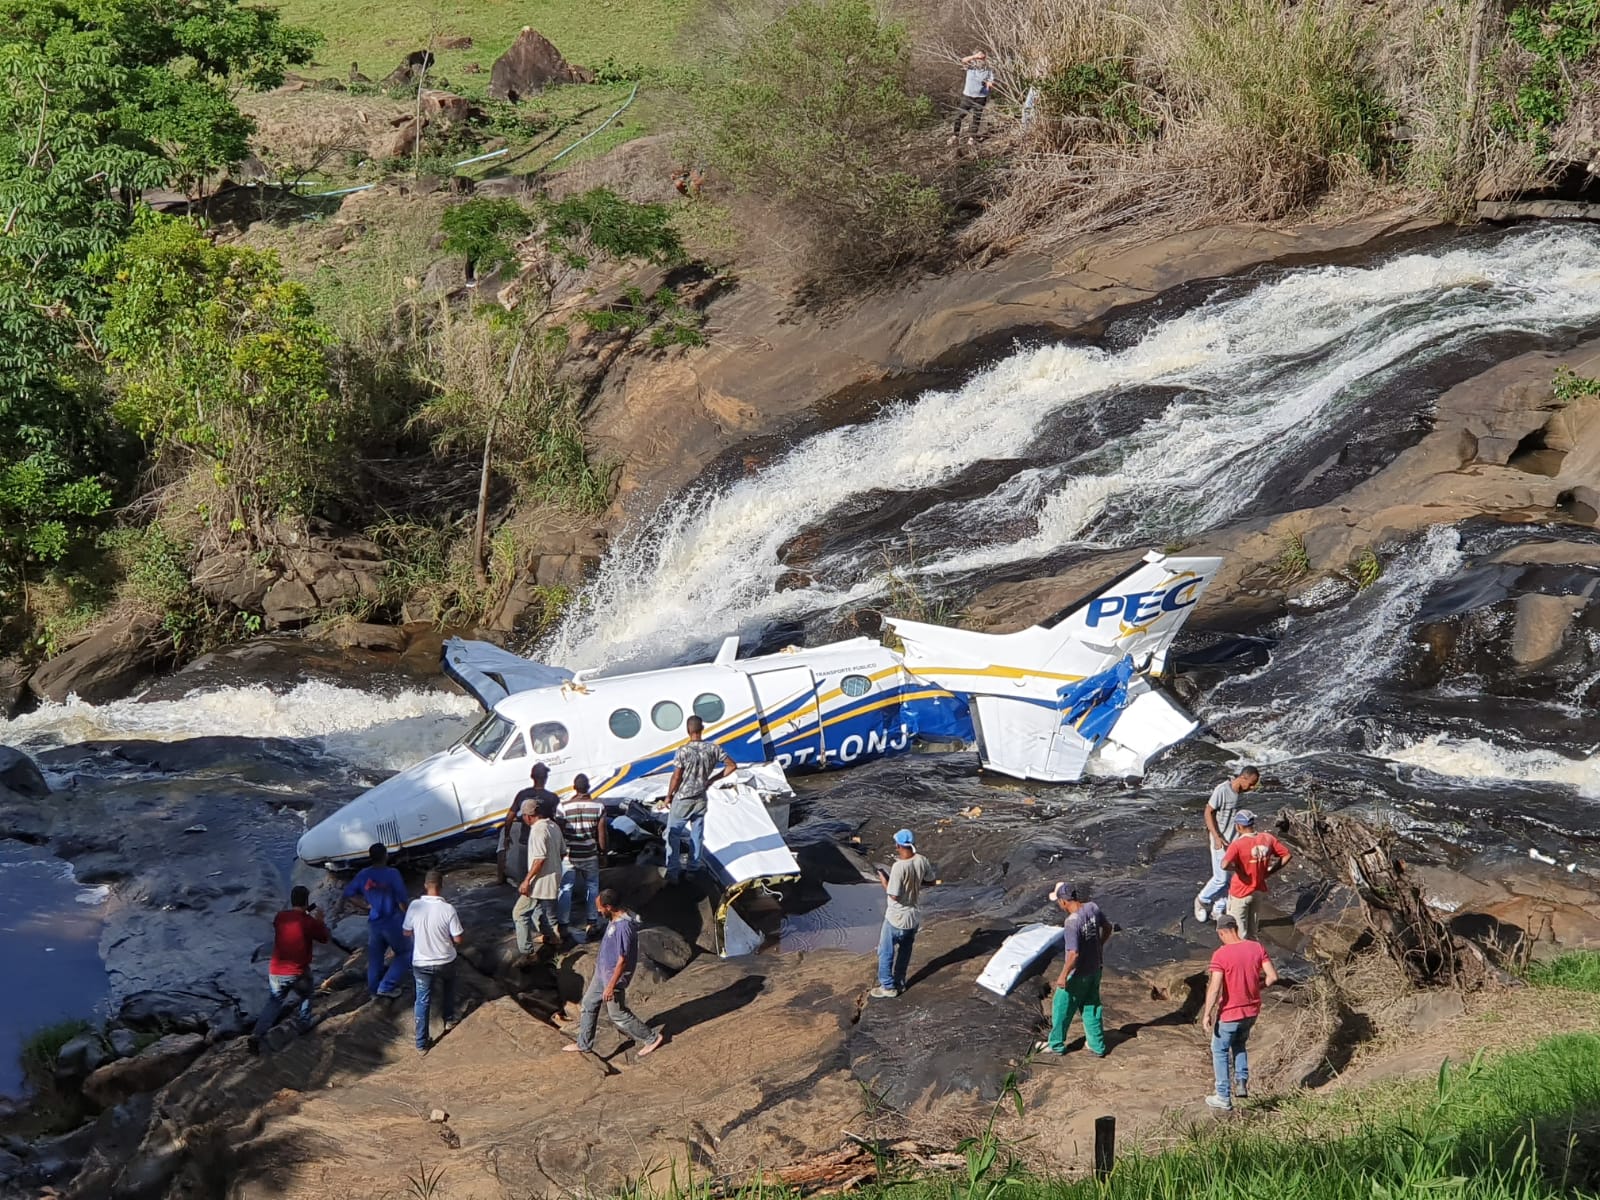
x: 815, y: 114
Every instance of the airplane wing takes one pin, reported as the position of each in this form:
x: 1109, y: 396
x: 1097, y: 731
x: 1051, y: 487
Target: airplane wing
x: 1072, y: 695
x: 490, y: 674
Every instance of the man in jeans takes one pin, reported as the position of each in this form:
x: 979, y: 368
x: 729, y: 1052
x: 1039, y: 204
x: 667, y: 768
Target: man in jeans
x: 583, y: 825
x: 295, y: 932
x: 1220, y: 807
x: 1085, y: 933
x: 1233, y: 1001
x: 613, y: 971
x: 686, y: 796
x: 974, y: 94
x: 435, y: 932
x: 512, y: 862
x: 1252, y: 857
x: 541, y: 887
x: 902, y: 884
x: 384, y: 891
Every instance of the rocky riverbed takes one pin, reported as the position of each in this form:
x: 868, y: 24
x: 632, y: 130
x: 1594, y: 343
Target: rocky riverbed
x: 1448, y: 692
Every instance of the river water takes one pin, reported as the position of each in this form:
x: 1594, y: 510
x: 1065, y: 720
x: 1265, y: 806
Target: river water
x: 1257, y: 395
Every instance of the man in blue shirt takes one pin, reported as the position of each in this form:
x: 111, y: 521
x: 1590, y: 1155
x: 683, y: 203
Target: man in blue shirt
x: 1085, y: 932
x: 613, y: 971
x: 384, y: 892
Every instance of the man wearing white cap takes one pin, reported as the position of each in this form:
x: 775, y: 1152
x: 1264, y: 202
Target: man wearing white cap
x: 903, y: 884
x: 1086, y: 931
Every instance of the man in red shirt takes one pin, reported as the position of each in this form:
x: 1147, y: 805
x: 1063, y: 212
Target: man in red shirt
x: 1251, y: 857
x: 1233, y: 1002
x: 295, y: 932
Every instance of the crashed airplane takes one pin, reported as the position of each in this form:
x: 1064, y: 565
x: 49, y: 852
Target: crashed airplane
x: 1072, y: 696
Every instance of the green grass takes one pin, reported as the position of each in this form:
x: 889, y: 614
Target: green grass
x: 377, y: 34
x: 40, y: 1050
x: 1574, y: 970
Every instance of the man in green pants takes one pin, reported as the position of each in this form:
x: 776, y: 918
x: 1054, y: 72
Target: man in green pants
x: 1078, y: 986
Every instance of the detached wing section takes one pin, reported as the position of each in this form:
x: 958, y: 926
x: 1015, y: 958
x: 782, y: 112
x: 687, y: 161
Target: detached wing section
x: 1073, y: 695
x: 490, y: 674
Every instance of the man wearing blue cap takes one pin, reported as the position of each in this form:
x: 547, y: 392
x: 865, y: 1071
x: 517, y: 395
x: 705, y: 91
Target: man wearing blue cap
x: 903, y: 884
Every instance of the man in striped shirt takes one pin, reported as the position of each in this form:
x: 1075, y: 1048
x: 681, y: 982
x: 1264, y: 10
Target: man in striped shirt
x: 583, y: 821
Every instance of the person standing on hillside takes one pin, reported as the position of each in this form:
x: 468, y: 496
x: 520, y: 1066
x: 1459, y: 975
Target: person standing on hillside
x: 1219, y: 810
x: 974, y: 95
x: 541, y: 886
x: 295, y: 932
x: 512, y: 861
x: 1233, y: 1002
x: 613, y: 971
x: 583, y: 824
x: 435, y: 931
x: 1252, y: 857
x: 383, y: 890
x: 902, y: 885
x: 1085, y: 933
x: 686, y: 796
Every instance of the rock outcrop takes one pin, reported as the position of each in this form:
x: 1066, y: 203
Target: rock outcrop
x: 308, y: 568
x: 105, y: 665
x: 21, y: 775
x: 531, y: 65
x: 153, y: 1067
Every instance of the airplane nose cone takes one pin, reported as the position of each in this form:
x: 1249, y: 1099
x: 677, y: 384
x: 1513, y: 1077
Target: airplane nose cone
x: 341, y: 838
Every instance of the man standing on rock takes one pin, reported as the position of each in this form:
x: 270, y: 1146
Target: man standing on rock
x: 686, y: 796
x: 512, y: 861
x: 435, y: 931
x: 541, y: 886
x: 583, y: 824
x: 1233, y: 1002
x: 1085, y: 933
x: 1252, y: 857
x: 384, y: 891
x: 902, y: 885
x: 613, y: 971
x: 1219, y: 810
x: 295, y: 933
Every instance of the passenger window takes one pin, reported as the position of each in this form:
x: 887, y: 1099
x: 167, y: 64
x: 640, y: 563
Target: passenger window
x: 548, y: 737
x: 667, y: 716
x: 625, y: 723
x: 708, y: 707
x: 855, y: 685
x: 515, y: 748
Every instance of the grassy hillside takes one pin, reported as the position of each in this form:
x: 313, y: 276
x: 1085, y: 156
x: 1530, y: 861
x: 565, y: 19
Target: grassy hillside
x: 377, y: 34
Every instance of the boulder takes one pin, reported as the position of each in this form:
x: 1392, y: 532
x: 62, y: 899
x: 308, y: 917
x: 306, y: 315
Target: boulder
x: 155, y: 1066
x: 455, y: 42
x: 13, y: 685
x: 124, y: 1042
x: 447, y: 107
x: 666, y: 948
x: 233, y: 579
x: 1541, y: 628
x: 20, y: 774
x: 79, y: 1058
x: 168, y: 1012
x: 104, y: 666
x: 398, y: 143
x: 289, y: 602
x: 531, y: 65
x: 416, y: 64
x: 361, y: 636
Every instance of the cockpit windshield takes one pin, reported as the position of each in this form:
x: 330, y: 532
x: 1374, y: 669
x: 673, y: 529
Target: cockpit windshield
x: 488, y: 736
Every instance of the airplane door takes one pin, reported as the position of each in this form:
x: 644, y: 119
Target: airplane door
x: 790, y: 717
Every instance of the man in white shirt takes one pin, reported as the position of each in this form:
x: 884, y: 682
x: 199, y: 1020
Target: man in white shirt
x: 1220, y: 807
x: 974, y: 94
x: 435, y: 931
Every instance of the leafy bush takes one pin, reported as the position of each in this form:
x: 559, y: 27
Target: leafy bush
x: 43, y: 1046
x: 1568, y: 386
x: 218, y: 358
x: 816, y: 113
x: 599, y: 223
x: 671, y: 323
x: 1557, y: 36
x: 483, y: 230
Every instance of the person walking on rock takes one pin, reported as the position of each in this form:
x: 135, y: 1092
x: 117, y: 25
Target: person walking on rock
x: 613, y: 971
x: 1233, y: 1002
x: 902, y: 885
x: 1252, y: 857
x: 295, y: 934
x: 541, y: 886
x: 1219, y: 810
x: 512, y: 861
x: 583, y: 825
x: 974, y: 95
x: 384, y: 892
x: 1085, y: 933
x: 435, y: 931
x: 686, y: 796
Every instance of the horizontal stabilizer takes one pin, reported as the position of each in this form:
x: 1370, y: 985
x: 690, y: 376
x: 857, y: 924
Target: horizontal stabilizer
x: 489, y: 674
x: 1016, y: 954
